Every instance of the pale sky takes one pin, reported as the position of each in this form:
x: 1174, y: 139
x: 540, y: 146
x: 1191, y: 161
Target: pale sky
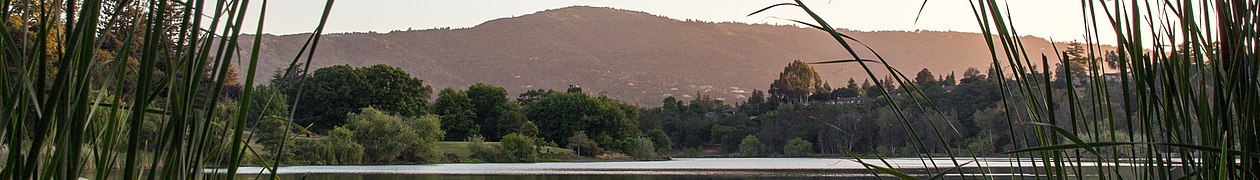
x: 1057, y: 19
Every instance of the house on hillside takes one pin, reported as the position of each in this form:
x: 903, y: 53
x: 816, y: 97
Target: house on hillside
x: 851, y: 100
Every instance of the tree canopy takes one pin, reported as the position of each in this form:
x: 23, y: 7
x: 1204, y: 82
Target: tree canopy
x: 332, y: 92
x: 797, y: 81
x: 563, y: 114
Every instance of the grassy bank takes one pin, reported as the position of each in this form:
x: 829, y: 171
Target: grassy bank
x: 462, y: 152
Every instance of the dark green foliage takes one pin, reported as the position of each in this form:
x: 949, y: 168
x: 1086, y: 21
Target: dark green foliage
x: 485, y: 152
x: 267, y: 102
x: 848, y: 91
x: 338, y: 148
x: 332, y: 92
x: 757, y: 104
x: 529, y: 97
x: 641, y: 148
x: 273, y: 133
x: 797, y: 147
x: 789, y: 121
x: 515, y: 121
x: 688, y: 124
x: 661, y: 141
x: 341, y: 147
x: 490, y: 105
x: 750, y: 146
x: 307, y: 151
x: 457, y: 114
x: 870, y: 90
x: 520, y: 148
x: 561, y: 115
x: 583, y: 145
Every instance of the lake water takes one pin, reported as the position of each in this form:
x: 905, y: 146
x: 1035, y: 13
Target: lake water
x: 678, y: 168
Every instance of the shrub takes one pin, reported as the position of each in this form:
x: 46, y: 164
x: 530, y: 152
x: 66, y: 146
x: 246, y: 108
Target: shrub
x: 981, y: 145
x: 309, y: 151
x: 641, y: 148
x: 798, y: 147
x: 751, y: 147
x: 583, y: 145
x: 661, y: 141
x: 520, y: 148
x: 429, y: 129
x: 341, y: 148
x: 692, y: 152
x: 386, y: 137
x: 485, y: 152
x: 271, y: 131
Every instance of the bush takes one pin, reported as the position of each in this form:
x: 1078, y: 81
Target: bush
x: 483, y: 151
x: 641, y: 148
x: 751, y: 147
x: 661, y: 141
x: 520, y: 148
x: 980, y: 145
x: 583, y: 145
x: 270, y: 132
x: 798, y: 147
x: 692, y: 152
x: 386, y: 137
x: 308, y: 151
x: 341, y: 148
x: 429, y: 128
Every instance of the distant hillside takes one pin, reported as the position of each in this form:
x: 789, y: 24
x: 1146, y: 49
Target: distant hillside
x: 633, y: 56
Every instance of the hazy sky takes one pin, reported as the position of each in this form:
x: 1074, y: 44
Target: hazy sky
x: 1058, y: 19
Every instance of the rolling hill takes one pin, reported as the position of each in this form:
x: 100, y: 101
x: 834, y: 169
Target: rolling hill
x: 633, y: 56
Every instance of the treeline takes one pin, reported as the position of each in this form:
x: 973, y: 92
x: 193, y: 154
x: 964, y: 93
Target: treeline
x: 380, y: 114
x: 386, y: 114
x: 802, y: 114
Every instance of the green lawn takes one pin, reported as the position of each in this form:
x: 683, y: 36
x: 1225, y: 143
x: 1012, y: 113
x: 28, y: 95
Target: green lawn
x: 460, y: 148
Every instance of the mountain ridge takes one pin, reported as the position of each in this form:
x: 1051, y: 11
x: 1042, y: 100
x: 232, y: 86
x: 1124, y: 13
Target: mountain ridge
x: 630, y: 55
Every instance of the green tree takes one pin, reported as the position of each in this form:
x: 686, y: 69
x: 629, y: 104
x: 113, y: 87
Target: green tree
x: 797, y: 81
x: 342, y: 148
x: 332, y: 92
x: 751, y: 147
x: 757, y: 103
x: 483, y: 151
x: 798, y: 147
x: 583, y: 145
x: 457, y: 113
x: 394, y: 90
x: 490, y: 104
x: 870, y: 90
x: 850, y: 90
x: 925, y: 78
x: 267, y: 101
x: 515, y: 121
x: 384, y: 137
x: 1077, y: 60
x: 271, y: 132
x: 563, y: 114
x: 429, y: 128
x: 661, y: 141
x: 521, y: 148
x: 972, y: 74
x: 641, y: 148
x: 529, y: 97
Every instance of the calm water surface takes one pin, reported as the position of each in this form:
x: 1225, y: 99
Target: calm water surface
x: 679, y: 168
